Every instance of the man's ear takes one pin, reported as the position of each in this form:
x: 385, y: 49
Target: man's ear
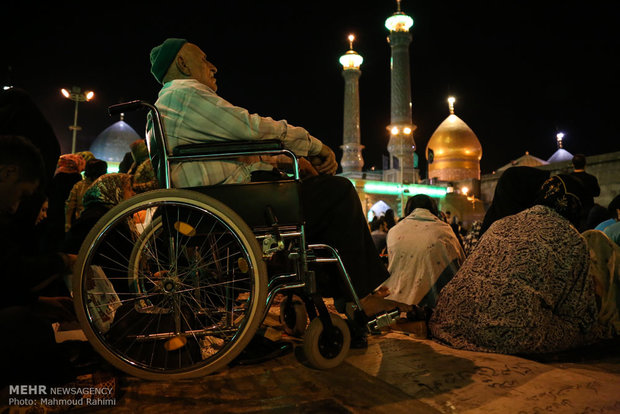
x: 8, y: 172
x: 182, y: 66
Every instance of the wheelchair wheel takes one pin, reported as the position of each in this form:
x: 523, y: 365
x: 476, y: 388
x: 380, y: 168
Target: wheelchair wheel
x: 293, y: 315
x: 327, y: 349
x: 177, y: 296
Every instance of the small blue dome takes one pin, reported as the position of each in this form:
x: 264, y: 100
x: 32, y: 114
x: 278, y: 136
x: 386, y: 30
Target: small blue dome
x: 560, y: 155
x: 113, y: 143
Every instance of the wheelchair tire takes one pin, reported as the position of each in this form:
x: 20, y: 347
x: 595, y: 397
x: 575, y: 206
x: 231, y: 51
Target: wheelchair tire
x: 325, y: 350
x: 197, y: 285
x: 293, y: 316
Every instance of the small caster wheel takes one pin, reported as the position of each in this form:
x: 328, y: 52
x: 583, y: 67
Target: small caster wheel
x: 325, y: 350
x: 293, y: 316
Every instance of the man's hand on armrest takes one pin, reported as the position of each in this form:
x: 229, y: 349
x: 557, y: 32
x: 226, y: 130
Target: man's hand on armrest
x: 306, y: 169
x: 284, y: 163
x: 325, y: 162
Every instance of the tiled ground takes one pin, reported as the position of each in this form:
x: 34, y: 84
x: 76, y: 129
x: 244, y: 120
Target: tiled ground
x: 397, y: 373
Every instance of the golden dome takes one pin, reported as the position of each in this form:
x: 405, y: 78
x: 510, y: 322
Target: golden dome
x: 453, y: 152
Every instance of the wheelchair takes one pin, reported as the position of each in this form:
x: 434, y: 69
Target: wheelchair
x: 174, y: 283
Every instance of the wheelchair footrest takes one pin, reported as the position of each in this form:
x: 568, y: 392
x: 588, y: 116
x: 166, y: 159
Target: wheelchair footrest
x: 383, y: 320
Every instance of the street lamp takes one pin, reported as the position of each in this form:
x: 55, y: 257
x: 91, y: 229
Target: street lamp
x: 77, y: 96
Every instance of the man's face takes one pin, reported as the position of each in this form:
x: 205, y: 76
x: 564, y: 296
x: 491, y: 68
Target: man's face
x: 200, y: 68
x: 12, y: 190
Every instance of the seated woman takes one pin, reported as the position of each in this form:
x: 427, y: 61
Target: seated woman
x: 73, y: 206
x: 105, y: 192
x: 516, y: 190
x: 424, y: 254
x: 605, y: 272
x: 526, y: 287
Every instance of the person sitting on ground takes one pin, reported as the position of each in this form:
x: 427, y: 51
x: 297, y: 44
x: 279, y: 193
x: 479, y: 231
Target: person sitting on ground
x: 68, y: 173
x: 104, y: 193
x: 453, y: 223
x: 612, y: 227
x: 390, y: 218
x: 28, y: 352
x: 144, y: 179
x: 126, y: 163
x: 193, y: 113
x: 20, y: 176
x: 471, y: 238
x: 613, y: 212
x: 19, y: 115
x: 613, y: 232
x: 516, y: 190
x: 73, y: 206
x: 87, y: 155
x: 379, y: 229
x: 424, y: 254
x: 590, y: 183
x: 526, y: 287
x: 597, y: 215
x: 605, y: 272
x: 139, y: 154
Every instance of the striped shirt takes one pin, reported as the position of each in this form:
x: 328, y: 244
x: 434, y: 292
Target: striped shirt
x: 192, y: 113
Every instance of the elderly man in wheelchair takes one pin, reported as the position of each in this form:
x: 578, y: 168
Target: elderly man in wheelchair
x: 174, y: 283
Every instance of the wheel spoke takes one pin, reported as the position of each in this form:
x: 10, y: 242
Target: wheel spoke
x: 156, y: 281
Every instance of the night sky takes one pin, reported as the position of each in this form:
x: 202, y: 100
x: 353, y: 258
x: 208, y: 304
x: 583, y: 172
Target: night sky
x: 520, y: 71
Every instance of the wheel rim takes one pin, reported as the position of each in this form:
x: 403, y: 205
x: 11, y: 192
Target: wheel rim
x: 330, y: 342
x: 174, y: 315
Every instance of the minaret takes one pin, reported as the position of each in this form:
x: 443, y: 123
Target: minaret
x: 352, y: 160
x: 401, y: 144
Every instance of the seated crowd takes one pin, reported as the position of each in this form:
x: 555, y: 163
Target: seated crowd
x: 531, y: 278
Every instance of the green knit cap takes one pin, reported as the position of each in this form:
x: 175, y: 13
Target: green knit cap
x: 163, y: 55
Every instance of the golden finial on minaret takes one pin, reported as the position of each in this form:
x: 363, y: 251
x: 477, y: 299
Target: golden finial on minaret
x: 451, y: 101
x: 351, y: 59
x: 398, y: 6
x: 559, y: 136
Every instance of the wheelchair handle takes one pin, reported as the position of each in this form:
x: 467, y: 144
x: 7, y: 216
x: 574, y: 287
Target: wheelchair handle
x: 126, y: 107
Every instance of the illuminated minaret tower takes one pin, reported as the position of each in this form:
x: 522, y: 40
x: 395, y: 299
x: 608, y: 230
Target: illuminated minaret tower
x: 352, y: 160
x: 401, y: 145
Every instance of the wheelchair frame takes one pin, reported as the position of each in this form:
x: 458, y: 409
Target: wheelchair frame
x: 325, y: 329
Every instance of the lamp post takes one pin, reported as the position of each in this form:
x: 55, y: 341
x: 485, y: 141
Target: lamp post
x: 77, y: 96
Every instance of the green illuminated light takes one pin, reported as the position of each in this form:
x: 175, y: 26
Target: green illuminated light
x: 399, y: 23
x: 396, y: 189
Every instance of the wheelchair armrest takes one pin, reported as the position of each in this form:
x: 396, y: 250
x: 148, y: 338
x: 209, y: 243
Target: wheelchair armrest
x: 209, y: 148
